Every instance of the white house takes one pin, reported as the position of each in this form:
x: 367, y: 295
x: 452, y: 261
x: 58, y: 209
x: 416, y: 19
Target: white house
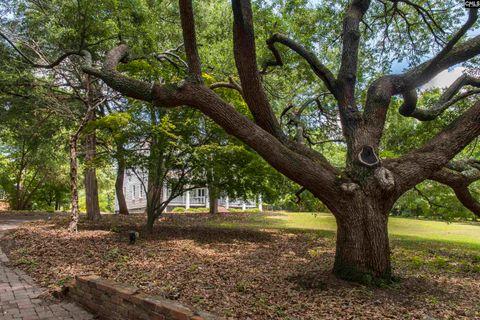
x: 197, y: 198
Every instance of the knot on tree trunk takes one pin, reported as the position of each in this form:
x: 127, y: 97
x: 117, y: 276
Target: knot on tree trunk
x: 349, y: 187
x: 368, y: 157
x: 385, y: 178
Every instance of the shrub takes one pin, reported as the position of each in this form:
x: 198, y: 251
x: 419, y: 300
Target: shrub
x: 197, y: 210
x: 246, y: 210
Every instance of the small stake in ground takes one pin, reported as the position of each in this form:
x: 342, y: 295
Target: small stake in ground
x: 133, y: 236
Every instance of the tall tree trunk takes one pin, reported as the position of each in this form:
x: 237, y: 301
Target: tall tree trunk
x: 122, y: 203
x: 155, y: 206
x: 363, y: 251
x: 155, y: 185
x: 19, y: 190
x: 18, y: 205
x: 91, y: 185
x: 57, y: 203
x: 73, y: 227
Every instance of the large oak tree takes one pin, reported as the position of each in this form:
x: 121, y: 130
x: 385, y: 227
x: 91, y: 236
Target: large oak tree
x: 361, y: 194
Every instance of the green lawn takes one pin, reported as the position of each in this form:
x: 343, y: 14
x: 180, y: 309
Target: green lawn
x: 405, y: 230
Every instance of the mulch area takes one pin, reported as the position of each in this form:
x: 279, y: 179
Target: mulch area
x: 235, y: 273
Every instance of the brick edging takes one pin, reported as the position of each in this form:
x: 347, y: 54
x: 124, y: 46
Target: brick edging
x: 112, y: 301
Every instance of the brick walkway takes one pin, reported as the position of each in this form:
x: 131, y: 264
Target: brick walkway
x: 19, y: 294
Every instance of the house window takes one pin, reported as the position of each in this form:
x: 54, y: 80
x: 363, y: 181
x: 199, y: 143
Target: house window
x: 133, y: 192
x: 141, y: 192
x: 199, y: 193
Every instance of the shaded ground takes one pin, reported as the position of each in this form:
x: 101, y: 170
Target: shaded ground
x: 252, y: 273
x: 20, y: 297
x: 12, y: 220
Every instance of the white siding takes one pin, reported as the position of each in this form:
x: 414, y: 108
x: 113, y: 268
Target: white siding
x: 137, y: 201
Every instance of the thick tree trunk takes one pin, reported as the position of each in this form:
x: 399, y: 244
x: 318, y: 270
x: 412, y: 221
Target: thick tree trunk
x: 213, y: 200
x: 91, y: 185
x: 363, y: 251
x: 213, y: 205
x: 73, y: 227
x: 122, y: 203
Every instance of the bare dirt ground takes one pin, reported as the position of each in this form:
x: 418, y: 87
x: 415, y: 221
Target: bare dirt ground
x: 245, y: 273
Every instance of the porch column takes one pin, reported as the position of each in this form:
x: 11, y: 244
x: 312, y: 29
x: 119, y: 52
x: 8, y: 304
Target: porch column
x: 226, y: 203
x: 260, y: 203
x: 164, y: 193
x: 187, y: 200
x: 244, y: 207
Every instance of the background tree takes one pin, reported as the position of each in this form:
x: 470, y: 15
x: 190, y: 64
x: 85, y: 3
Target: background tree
x: 118, y: 132
x: 34, y: 167
x: 167, y: 159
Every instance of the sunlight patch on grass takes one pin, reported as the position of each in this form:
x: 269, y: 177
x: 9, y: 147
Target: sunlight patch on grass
x: 402, y: 229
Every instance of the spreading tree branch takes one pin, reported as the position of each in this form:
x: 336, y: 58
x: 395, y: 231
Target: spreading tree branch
x: 190, y: 39
x: 231, y: 84
x: 55, y: 63
x: 318, y: 68
x: 411, y: 169
x: 430, y: 202
x: 246, y: 62
x: 427, y: 17
x: 310, y: 167
x: 459, y: 181
x: 381, y: 90
x: 409, y: 106
x: 453, y: 53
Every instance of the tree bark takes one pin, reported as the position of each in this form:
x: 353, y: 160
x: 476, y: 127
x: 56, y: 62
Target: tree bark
x: 154, y: 204
x: 122, y: 203
x: 155, y: 186
x: 363, y: 251
x: 73, y: 227
x: 151, y: 218
x: 57, y: 203
x: 213, y: 199
x: 91, y: 185
x: 156, y: 177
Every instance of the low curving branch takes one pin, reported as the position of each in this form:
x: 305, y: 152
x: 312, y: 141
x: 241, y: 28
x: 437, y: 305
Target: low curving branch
x: 459, y: 181
x: 446, y: 100
x: 438, y: 152
x: 108, y: 73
